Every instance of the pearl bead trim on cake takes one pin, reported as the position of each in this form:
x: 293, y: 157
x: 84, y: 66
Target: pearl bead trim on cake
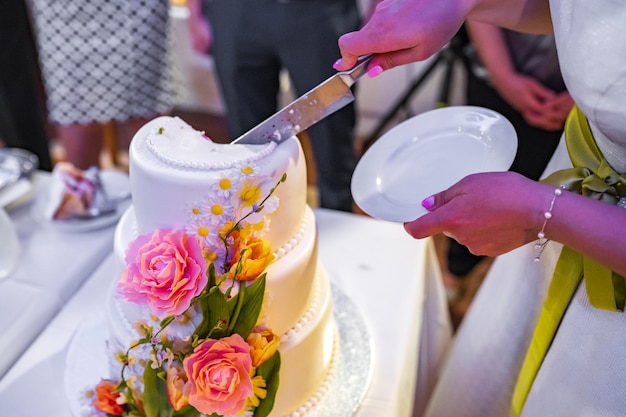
x: 306, y: 317
x: 262, y: 153
x: 304, y: 409
x: 293, y: 242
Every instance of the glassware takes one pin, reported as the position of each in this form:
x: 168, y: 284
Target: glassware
x: 9, y: 246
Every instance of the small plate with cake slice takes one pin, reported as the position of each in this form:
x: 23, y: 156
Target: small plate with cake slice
x: 80, y: 201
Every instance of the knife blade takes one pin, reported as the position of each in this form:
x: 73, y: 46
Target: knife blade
x: 323, y: 100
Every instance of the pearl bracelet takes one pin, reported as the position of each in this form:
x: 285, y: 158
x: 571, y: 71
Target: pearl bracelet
x: 541, y: 244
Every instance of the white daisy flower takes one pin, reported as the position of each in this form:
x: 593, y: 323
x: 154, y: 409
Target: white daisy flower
x: 261, y: 228
x: 218, y: 209
x: 200, y: 226
x: 249, y: 170
x: 227, y: 183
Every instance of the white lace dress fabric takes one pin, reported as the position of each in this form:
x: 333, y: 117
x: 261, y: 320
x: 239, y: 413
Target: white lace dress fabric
x: 584, y: 373
x: 103, y: 60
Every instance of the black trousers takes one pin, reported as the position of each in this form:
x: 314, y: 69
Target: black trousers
x: 22, y: 116
x: 535, y: 148
x: 254, y: 40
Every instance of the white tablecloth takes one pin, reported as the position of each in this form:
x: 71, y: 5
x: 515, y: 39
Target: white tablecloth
x: 52, y: 266
x: 392, y: 279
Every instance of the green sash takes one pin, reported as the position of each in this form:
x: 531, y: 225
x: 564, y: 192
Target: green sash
x: 591, y: 176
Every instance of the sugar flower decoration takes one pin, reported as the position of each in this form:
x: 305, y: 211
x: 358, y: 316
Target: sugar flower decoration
x: 219, y: 374
x: 164, y: 270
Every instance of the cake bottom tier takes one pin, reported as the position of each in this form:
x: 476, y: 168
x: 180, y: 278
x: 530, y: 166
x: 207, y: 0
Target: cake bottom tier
x: 309, y: 353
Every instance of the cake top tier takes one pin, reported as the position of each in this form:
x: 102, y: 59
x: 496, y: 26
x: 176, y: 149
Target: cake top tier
x: 176, y: 172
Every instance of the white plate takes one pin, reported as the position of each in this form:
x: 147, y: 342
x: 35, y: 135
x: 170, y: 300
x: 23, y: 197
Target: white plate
x: 115, y: 183
x: 427, y: 154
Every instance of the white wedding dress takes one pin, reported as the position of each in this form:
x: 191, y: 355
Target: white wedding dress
x: 584, y: 372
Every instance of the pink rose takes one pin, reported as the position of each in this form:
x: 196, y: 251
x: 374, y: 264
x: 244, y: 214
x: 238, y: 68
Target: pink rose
x: 165, y: 271
x: 219, y: 375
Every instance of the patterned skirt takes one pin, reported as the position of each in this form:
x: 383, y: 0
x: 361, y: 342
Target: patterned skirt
x: 103, y: 60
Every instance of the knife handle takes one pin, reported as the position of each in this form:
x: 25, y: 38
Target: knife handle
x: 358, y: 70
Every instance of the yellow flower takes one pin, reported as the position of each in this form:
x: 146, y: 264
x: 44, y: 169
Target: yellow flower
x: 250, y: 193
x: 258, y: 385
x: 252, y: 257
x: 226, y: 228
x: 142, y: 328
x: 263, y: 344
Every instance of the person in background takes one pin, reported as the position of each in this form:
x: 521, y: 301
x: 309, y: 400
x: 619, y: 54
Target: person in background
x: 102, y: 63
x: 252, y: 42
x: 516, y: 74
x: 22, y: 115
x: 546, y: 333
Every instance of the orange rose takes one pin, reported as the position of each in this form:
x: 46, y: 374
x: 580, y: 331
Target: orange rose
x: 106, y: 398
x: 177, y: 388
x: 219, y: 375
x: 254, y: 256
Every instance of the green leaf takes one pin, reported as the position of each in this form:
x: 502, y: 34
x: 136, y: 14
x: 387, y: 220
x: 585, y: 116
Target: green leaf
x: 187, y: 411
x: 166, y: 321
x: 215, y: 310
x: 155, y: 400
x: 211, y: 274
x: 269, y: 370
x: 251, y: 304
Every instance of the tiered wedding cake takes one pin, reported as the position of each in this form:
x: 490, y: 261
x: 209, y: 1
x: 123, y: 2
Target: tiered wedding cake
x: 217, y: 268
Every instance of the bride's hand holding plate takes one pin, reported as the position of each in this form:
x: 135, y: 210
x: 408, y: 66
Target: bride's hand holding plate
x: 490, y: 213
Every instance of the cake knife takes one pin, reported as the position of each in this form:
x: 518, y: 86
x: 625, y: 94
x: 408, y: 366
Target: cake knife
x: 323, y: 100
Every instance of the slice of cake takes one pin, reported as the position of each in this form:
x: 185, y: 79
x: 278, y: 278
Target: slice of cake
x: 219, y: 306
x: 75, y: 193
x: 72, y: 191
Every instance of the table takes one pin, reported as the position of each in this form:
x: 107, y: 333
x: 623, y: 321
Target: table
x: 376, y: 263
x: 52, y: 266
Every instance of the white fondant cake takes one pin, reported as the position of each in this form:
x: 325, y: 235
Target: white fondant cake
x: 181, y: 181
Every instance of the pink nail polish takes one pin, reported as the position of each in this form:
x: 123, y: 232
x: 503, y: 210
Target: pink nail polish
x: 374, y: 71
x: 337, y: 63
x: 429, y: 202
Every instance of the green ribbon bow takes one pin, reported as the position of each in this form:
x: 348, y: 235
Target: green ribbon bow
x: 591, y: 176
